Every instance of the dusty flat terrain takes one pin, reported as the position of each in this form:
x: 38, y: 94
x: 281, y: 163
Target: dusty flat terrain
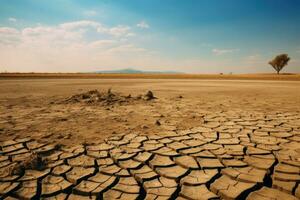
x: 210, y: 139
x: 266, y: 76
x: 29, y: 108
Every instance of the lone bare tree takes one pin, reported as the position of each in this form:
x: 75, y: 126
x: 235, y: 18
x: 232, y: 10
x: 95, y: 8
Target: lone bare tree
x: 279, y: 62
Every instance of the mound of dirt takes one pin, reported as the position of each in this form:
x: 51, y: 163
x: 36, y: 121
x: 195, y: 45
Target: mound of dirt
x: 149, y: 96
x: 107, y: 98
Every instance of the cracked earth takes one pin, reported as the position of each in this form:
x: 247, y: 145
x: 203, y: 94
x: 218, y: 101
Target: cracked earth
x: 230, y: 147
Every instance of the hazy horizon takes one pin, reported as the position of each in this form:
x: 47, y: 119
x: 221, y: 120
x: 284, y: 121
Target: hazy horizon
x: 208, y: 36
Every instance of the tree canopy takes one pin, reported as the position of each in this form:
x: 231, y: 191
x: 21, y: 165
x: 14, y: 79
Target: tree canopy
x: 279, y: 62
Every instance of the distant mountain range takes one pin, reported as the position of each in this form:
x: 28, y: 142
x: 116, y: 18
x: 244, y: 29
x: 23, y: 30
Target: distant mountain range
x: 134, y: 71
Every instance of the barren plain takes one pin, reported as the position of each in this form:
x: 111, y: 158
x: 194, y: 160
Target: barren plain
x: 198, y: 139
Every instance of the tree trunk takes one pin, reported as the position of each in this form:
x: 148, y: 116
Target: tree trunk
x: 278, y: 72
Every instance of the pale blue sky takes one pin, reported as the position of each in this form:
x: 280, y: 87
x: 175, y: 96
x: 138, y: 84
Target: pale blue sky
x: 207, y: 36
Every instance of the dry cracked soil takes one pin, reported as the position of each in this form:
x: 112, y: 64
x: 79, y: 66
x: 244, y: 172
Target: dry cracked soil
x: 199, y: 139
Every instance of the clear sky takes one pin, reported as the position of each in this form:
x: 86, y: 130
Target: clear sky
x: 194, y: 36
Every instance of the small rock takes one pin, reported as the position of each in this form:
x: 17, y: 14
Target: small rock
x: 149, y: 95
x: 68, y: 136
x: 157, y: 123
x: 144, y: 126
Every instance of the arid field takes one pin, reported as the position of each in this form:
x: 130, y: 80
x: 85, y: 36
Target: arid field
x: 228, y: 136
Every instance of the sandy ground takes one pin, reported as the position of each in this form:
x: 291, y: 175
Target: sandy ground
x: 30, y: 108
x: 261, y: 76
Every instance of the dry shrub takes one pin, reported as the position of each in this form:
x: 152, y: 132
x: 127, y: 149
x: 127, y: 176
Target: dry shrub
x: 34, y: 161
